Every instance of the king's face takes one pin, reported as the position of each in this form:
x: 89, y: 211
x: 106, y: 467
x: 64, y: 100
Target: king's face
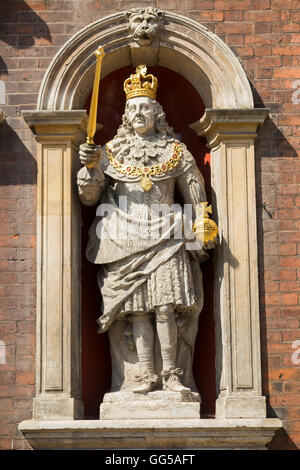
x: 141, y: 114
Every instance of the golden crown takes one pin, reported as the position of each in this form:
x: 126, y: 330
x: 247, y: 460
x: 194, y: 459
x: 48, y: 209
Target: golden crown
x: 140, y: 84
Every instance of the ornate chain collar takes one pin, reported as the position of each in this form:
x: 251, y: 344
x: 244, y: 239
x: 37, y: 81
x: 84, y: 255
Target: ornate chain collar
x: 146, y: 171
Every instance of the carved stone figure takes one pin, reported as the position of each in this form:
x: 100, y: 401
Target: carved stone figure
x: 151, y: 284
x: 145, y: 24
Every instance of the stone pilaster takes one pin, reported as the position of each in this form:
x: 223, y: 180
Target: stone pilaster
x: 230, y: 135
x: 58, y: 390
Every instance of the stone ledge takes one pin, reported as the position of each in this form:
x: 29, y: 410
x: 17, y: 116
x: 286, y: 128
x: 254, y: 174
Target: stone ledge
x: 151, y: 434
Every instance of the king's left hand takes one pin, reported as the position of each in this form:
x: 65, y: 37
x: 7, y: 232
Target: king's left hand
x: 211, y: 243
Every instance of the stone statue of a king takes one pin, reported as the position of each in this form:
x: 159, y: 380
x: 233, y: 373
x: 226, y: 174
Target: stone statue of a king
x: 149, y: 278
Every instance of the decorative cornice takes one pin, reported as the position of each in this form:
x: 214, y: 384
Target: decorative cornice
x: 57, y: 125
x: 218, y: 125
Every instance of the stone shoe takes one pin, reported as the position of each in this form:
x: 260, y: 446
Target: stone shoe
x: 171, y: 381
x: 146, y: 383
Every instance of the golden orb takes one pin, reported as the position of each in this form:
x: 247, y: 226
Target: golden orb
x: 205, y: 229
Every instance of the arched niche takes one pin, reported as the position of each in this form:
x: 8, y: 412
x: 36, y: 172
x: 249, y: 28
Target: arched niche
x: 229, y: 125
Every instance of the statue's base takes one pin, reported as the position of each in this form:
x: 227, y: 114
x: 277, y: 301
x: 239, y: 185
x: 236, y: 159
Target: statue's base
x: 153, y: 405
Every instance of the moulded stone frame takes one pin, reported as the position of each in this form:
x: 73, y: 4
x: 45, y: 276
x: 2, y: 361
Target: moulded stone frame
x: 230, y: 125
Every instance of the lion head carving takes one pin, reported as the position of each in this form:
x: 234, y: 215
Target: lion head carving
x: 145, y: 24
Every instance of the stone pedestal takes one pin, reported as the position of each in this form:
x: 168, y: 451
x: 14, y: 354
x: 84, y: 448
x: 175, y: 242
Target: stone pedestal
x: 153, y: 405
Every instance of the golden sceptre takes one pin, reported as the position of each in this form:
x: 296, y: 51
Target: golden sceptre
x: 92, y: 121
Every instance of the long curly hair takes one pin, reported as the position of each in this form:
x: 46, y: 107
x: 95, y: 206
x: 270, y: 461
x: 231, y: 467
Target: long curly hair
x: 161, y: 125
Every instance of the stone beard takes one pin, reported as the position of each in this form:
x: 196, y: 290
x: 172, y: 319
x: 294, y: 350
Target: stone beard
x: 151, y: 287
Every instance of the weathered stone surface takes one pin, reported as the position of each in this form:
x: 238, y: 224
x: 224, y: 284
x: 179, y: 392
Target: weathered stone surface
x: 57, y: 408
x: 153, y: 405
x: 241, y: 406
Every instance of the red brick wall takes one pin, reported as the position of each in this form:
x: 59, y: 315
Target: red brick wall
x: 265, y: 35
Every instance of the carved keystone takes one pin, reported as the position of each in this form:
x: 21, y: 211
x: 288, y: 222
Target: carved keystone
x: 145, y: 25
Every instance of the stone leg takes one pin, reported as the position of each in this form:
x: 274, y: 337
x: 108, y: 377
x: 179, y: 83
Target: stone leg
x: 167, y: 335
x: 143, y: 336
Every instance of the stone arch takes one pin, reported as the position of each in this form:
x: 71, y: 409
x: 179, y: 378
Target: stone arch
x: 185, y: 47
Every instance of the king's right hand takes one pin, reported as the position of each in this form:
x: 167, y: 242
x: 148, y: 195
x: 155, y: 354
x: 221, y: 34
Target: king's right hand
x: 90, y: 155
